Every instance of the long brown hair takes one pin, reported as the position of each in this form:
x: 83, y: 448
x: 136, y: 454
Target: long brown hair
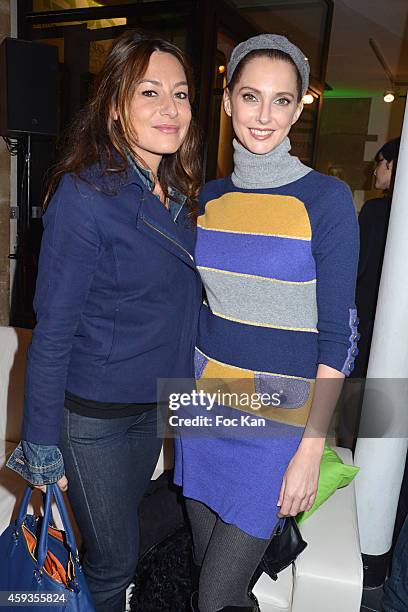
x: 96, y: 138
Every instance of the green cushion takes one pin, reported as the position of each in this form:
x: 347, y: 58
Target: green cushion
x: 334, y: 474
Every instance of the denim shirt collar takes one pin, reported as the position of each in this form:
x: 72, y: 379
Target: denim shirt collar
x: 146, y: 177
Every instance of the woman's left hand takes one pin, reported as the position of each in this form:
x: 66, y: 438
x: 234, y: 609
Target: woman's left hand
x: 299, y: 484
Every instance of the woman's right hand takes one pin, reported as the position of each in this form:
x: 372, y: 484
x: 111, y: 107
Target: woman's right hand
x: 62, y: 483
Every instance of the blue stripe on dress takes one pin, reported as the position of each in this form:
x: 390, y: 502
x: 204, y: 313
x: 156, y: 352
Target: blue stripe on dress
x: 260, y: 349
x: 287, y: 259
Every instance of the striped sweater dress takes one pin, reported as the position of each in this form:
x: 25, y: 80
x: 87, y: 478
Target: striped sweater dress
x: 279, y: 270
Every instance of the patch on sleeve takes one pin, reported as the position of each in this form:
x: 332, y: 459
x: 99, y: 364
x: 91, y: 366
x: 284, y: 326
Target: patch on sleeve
x: 354, y: 337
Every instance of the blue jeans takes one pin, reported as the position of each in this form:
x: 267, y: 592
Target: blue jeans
x: 396, y: 587
x: 108, y: 463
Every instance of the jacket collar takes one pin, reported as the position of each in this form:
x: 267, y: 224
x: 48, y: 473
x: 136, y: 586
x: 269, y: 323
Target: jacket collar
x: 152, y: 218
x: 135, y: 173
x: 143, y: 173
x: 146, y: 177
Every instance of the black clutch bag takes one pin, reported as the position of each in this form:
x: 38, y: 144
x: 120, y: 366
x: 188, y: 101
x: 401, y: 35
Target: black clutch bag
x: 286, y: 544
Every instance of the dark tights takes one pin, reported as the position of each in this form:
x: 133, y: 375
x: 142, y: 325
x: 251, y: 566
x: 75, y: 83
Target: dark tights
x: 228, y: 558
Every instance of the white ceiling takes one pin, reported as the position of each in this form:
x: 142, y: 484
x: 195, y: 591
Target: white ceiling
x: 352, y: 66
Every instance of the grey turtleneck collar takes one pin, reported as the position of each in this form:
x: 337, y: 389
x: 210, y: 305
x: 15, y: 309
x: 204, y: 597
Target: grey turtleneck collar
x: 273, y: 169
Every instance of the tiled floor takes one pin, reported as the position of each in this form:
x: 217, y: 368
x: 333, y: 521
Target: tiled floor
x: 371, y: 601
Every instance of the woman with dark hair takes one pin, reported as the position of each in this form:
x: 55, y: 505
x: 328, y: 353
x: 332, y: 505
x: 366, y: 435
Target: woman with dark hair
x: 277, y: 248
x: 117, y: 301
x: 373, y: 221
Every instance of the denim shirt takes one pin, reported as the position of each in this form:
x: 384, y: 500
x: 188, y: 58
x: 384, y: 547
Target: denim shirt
x: 37, y: 463
x: 40, y: 464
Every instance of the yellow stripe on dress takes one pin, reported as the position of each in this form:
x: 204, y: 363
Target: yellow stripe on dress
x: 259, y: 214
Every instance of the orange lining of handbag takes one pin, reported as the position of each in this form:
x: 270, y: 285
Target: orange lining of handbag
x: 52, y: 566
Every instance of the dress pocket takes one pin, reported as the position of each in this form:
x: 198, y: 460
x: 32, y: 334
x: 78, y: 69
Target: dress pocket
x: 292, y: 392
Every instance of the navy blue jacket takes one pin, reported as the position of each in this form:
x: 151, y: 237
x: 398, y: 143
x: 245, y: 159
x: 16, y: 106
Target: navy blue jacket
x: 117, y: 300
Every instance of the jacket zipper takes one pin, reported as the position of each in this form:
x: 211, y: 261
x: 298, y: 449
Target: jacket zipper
x: 168, y: 238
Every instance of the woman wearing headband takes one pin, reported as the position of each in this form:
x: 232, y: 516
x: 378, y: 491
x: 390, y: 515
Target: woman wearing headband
x: 277, y: 249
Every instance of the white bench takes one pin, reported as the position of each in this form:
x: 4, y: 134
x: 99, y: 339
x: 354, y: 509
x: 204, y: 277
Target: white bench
x: 328, y: 576
x: 13, y: 349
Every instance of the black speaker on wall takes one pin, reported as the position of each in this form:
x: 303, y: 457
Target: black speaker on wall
x: 28, y: 88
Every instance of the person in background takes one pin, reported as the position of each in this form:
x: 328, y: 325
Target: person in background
x: 117, y: 302
x: 373, y: 222
x: 373, y: 225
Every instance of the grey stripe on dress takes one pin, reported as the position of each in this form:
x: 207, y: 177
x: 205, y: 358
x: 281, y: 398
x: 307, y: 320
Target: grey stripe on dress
x: 259, y: 301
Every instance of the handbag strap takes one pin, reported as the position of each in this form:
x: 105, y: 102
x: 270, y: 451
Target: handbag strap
x: 54, y: 491
x: 279, y: 527
x: 22, y: 511
x: 69, y: 532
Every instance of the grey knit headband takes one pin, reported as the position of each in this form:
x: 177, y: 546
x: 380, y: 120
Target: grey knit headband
x: 271, y: 41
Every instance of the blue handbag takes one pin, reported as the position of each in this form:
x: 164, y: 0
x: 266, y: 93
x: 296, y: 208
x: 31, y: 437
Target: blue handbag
x: 40, y: 564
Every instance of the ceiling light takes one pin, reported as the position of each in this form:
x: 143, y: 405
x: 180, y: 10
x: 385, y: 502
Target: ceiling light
x: 308, y: 99
x: 389, y: 96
